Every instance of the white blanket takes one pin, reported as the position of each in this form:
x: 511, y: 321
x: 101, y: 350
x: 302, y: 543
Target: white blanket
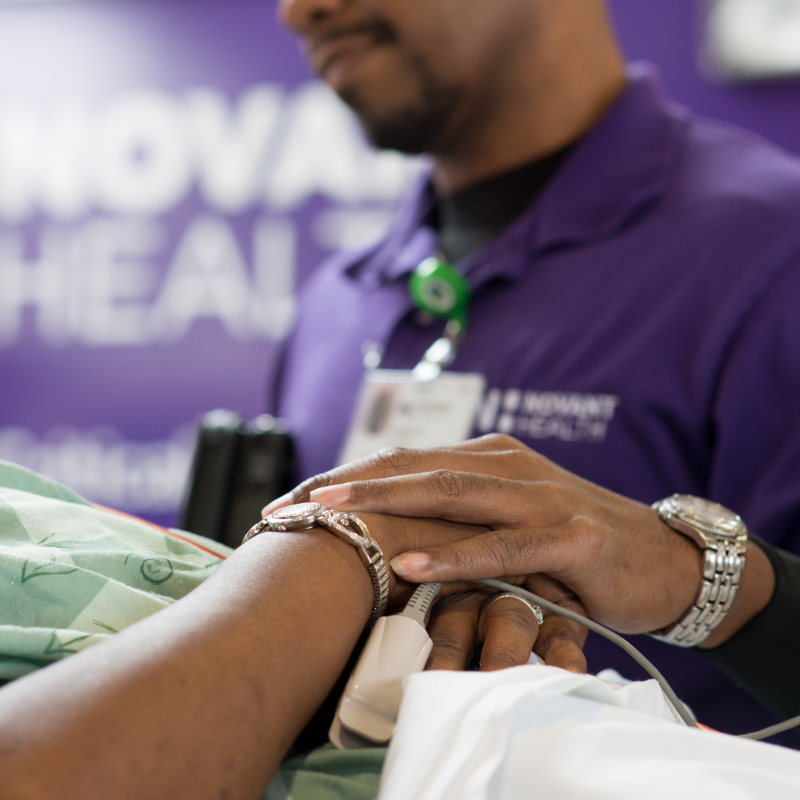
x: 540, y: 733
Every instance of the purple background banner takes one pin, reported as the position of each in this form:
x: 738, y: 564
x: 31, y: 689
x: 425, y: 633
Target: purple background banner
x: 169, y: 173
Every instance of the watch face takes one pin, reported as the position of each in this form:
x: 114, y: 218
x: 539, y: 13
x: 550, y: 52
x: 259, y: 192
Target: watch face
x: 708, y: 514
x: 295, y: 517
x: 299, y: 510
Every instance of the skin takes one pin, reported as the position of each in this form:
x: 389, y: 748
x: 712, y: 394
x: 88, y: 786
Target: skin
x: 483, y: 88
x: 490, y: 85
x: 550, y: 531
x: 507, y: 631
x: 198, y: 700
x: 208, y: 705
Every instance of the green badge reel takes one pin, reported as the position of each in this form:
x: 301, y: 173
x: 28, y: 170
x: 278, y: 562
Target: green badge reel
x: 426, y: 406
x: 440, y: 290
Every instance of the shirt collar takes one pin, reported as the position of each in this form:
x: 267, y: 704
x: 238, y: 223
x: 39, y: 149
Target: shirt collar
x: 624, y: 163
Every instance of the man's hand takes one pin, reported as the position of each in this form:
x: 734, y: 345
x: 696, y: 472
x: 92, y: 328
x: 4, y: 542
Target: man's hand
x: 465, y: 618
x: 611, y: 554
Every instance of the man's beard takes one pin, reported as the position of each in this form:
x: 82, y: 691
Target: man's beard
x: 414, y: 129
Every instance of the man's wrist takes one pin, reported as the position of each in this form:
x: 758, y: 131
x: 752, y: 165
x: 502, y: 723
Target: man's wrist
x: 722, y: 537
x: 684, y: 588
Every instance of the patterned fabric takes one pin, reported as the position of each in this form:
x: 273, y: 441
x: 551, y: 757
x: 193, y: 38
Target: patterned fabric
x: 72, y: 574
x: 329, y: 774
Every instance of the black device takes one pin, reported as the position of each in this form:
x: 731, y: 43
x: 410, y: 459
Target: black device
x: 239, y: 466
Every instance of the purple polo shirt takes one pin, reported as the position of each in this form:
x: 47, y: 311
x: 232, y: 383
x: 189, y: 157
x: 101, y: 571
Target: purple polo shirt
x: 639, y: 325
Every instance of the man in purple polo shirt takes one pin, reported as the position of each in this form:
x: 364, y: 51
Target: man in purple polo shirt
x: 635, y: 270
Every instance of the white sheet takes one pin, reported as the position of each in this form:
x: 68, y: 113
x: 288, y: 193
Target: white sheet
x: 540, y: 733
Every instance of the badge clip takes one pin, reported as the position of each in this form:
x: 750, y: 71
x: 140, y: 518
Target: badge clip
x: 440, y: 290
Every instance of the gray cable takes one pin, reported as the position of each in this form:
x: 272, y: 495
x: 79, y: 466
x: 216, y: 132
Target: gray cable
x: 637, y: 656
x: 420, y: 602
x: 683, y: 713
x: 794, y: 722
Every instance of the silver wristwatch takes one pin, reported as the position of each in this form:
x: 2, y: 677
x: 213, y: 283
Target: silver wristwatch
x: 349, y: 527
x: 723, y: 536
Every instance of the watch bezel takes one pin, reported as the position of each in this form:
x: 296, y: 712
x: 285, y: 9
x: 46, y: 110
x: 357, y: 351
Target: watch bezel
x: 297, y: 517
x: 722, y: 535
x: 678, y: 512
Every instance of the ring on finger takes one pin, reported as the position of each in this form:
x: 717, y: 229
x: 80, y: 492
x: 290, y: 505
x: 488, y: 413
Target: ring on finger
x: 535, y: 610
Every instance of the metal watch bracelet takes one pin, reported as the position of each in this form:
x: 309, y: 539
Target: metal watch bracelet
x: 723, y: 566
x: 348, y: 527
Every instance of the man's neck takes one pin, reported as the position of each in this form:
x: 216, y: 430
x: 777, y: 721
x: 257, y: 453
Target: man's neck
x: 547, y: 101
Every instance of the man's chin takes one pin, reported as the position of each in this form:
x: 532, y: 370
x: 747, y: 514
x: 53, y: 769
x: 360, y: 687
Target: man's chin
x: 397, y: 135
x: 411, y: 129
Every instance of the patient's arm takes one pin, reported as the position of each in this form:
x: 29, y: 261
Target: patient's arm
x: 203, y: 699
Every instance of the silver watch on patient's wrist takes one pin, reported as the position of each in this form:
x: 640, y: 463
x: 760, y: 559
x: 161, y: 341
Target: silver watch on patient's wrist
x: 723, y: 536
x: 348, y: 527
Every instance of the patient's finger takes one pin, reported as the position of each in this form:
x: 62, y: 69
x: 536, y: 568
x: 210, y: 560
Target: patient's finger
x: 454, y: 629
x: 560, y: 641
x: 560, y: 644
x: 508, y: 627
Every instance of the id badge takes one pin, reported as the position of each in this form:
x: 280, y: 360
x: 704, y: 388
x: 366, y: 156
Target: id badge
x: 395, y: 409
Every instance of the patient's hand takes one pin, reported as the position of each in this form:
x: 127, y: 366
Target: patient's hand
x: 463, y: 619
x: 506, y: 629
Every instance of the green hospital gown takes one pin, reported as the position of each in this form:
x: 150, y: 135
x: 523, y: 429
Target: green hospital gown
x: 72, y: 575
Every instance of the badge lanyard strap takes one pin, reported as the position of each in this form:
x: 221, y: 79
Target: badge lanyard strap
x: 439, y: 289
